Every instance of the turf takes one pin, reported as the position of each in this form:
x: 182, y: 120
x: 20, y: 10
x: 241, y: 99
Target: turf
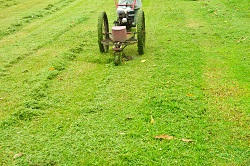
x: 64, y: 103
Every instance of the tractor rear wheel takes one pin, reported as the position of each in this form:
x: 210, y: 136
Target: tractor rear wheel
x: 141, y: 32
x: 103, y: 32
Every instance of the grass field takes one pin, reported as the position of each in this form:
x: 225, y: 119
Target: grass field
x: 64, y: 103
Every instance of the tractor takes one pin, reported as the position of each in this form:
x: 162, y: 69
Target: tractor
x: 128, y: 29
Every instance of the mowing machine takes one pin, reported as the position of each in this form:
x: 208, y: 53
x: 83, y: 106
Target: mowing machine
x: 128, y: 29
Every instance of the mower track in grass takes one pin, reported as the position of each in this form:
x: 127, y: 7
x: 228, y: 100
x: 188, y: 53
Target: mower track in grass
x: 39, y: 47
x: 34, y: 41
x: 44, y: 59
x: 8, y: 3
x: 64, y: 103
x: 26, y: 19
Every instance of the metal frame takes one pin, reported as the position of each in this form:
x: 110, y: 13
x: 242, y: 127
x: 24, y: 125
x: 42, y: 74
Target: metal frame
x: 131, y: 5
x: 120, y: 46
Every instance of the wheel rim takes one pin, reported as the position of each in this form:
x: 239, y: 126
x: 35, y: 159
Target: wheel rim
x: 103, y: 32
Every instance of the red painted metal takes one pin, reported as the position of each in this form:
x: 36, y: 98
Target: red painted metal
x: 119, y: 33
x: 131, y: 5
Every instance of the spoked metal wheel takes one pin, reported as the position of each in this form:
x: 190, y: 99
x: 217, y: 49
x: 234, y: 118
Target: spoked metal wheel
x: 103, y: 32
x: 141, y: 32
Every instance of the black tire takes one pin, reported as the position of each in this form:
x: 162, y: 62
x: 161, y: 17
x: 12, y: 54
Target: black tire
x: 141, y: 32
x: 103, y: 31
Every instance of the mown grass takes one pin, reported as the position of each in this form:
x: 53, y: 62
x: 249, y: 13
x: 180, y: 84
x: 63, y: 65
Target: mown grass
x: 64, y: 103
x: 21, y: 22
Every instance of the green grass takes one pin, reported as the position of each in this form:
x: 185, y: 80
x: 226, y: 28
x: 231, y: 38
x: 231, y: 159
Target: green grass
x: 64, y: 103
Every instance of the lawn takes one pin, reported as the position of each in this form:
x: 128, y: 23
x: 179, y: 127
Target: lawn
x: 64, y: 103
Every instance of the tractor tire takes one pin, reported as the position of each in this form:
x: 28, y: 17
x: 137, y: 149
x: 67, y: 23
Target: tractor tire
x: 103, y: 32
x: 141, y: 32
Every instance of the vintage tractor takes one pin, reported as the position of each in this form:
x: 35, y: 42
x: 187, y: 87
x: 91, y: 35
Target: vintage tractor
x: 128, y: 29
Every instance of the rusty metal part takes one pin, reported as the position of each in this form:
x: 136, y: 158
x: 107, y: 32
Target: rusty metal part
x: 119, y: 46
x: 119, y: 33
x: 131, y: 5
